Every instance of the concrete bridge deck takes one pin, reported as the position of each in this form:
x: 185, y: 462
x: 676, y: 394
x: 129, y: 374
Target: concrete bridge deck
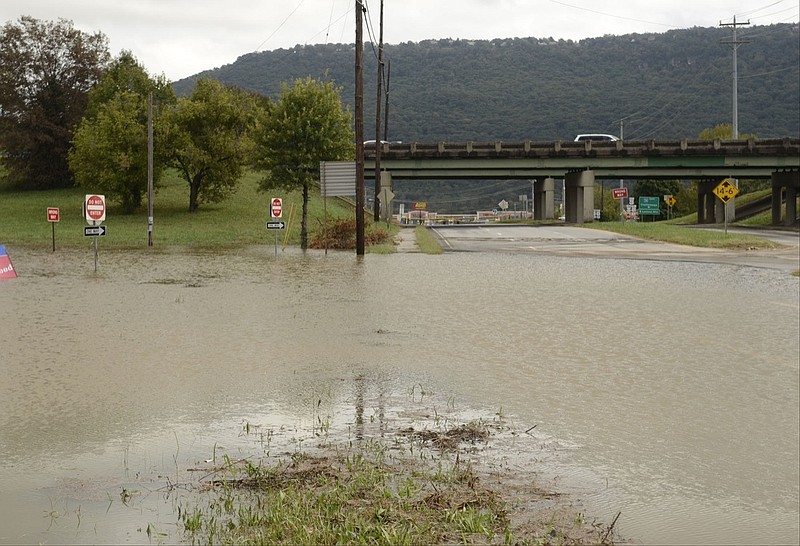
x: 753, y: 158
x: 580, y: 163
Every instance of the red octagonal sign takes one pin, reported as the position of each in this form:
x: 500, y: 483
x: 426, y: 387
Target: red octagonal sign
x: 95, y: 207
x: 276, y: 207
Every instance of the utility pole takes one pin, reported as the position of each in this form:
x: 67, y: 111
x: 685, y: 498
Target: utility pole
x: 386, y: 95
x: 734, y: 43
x: 359, y: 108
x: 150, y: 169
x: 377, y: 211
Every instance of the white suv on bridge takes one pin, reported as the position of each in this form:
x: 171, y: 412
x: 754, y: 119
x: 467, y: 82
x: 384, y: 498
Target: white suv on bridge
x: 595, y: 136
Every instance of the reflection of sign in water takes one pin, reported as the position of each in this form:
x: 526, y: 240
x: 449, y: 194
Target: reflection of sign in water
x: 6, y: 267
x: 726, y: 190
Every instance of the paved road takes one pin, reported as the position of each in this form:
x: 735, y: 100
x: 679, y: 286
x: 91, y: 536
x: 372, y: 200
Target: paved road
x: 578, y: 241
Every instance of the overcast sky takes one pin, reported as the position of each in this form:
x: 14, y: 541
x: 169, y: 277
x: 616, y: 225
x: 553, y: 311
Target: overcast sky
x: 179, y: 38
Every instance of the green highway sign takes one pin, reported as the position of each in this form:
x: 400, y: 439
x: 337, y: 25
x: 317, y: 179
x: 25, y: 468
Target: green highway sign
x: 649, y: 205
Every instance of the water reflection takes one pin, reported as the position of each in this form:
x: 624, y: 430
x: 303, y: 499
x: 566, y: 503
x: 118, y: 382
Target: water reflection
x: 667, y: 381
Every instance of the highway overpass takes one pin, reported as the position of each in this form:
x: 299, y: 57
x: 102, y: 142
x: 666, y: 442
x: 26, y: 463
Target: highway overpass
x: 581, y: 163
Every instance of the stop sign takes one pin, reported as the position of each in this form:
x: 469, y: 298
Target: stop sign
x: 276, y: 207
x: 95, y: 207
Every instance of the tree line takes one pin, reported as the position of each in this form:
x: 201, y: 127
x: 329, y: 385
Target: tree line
x: 70, y: 114
x: 669, y: 85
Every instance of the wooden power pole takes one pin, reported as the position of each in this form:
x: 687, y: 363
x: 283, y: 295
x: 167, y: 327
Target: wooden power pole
x: 359, y: 107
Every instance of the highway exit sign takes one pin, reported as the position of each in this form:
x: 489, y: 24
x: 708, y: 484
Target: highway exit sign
x: 649, y: 205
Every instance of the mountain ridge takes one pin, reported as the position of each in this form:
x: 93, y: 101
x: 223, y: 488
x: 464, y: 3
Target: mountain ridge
x: 652, y: 85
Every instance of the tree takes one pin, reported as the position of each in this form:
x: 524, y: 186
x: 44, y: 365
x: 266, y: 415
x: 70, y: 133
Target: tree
x: 208, y: 139
x: 46, y: 72
x: 722, y: 131
x: 657, y: 188
x: 109, y: 152
x: 309, y: 124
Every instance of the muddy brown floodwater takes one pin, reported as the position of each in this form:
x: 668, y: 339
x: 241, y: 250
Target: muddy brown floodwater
x: 666, y: 391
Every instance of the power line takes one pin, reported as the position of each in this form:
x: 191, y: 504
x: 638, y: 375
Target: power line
x: 612, y: 15
x: 297, y: 7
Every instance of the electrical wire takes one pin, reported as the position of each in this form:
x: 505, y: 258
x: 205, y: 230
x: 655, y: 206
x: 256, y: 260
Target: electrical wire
x: 297, y: 7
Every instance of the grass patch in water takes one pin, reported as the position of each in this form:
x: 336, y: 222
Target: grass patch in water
x: 422, y: 488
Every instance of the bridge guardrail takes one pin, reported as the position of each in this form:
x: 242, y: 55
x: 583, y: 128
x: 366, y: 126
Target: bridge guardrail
x: 782, y: 147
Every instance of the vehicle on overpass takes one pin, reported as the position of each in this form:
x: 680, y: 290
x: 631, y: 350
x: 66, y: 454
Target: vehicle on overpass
x: 595, y: 136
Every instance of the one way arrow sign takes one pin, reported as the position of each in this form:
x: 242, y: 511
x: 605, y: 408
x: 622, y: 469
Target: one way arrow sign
x: 94, y: 231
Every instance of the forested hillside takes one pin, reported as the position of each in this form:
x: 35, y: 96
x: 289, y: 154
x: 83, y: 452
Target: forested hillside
x: 666, y: 85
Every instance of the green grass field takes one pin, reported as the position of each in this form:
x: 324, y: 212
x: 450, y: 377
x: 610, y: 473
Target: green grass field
x: 239, y: 220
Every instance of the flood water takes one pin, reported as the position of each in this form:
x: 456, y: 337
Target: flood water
x: 669, y: 390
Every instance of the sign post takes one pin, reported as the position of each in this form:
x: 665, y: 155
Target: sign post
x: 53, y: 216
x: 276, y: 211
x: 620, y: 193
x: 726, y: 190
x: 94, y: 208
x: 670, y: 201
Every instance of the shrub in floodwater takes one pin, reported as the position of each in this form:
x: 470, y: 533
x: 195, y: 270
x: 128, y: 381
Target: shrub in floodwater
x: 340, y: 233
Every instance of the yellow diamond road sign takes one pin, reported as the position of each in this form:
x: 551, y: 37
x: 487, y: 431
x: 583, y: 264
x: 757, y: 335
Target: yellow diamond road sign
x: 726, y: 190
x: 670, y: 201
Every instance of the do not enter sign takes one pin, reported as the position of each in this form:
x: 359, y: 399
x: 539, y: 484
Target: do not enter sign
x: 276, y: 207
x: 95, y: 208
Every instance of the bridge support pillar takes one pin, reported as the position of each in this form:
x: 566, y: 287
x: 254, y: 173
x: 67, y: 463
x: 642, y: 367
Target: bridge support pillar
x: 544, y: 199
x: 790, y: 182
x: 707, y: 203
x: 579, y: 200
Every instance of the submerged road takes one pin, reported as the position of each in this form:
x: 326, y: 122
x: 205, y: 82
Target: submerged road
x: 567, y: 240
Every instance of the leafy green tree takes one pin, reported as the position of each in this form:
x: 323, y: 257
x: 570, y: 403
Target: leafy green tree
x: 657, y: 188
x: 109, y: 152
x: 46, y: 72
x: 722, y: 131
x: 208, y: 139
x: 309, y: 124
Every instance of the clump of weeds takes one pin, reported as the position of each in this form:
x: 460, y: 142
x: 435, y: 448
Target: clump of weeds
x: 419, y: 488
